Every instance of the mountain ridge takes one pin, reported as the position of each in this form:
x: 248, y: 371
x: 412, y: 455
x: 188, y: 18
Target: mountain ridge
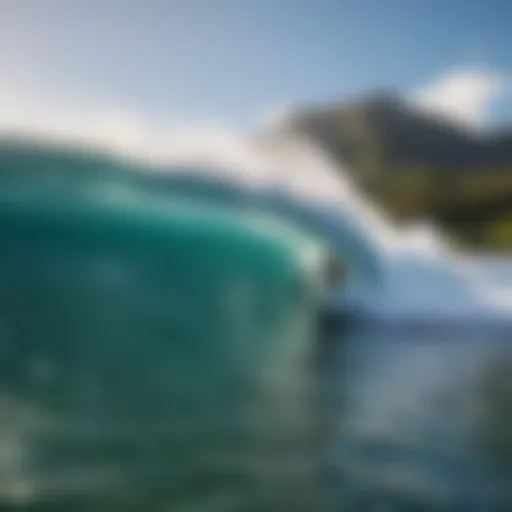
x: 417, y: 166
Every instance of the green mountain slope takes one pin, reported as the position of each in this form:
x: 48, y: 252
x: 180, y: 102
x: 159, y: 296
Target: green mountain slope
x: 419, y: 167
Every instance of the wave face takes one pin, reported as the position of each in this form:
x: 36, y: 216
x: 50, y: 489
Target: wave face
x: 394, y: 273
x: 153, y: 356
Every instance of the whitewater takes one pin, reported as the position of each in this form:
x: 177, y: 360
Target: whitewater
x: 417, y: 275
x: 422, y: 277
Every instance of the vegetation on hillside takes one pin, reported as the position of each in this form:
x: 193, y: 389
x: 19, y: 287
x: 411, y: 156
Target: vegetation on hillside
x: 418, y: 167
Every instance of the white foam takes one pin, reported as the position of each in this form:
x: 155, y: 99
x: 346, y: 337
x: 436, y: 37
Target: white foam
x: 423, y: 278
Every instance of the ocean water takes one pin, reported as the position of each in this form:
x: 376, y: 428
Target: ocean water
x: 424, y: 418
x: 134, y: 377
x: 97, y: 415
x: 365, y: 419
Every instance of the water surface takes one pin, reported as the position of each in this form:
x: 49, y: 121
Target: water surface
x: 425, y: 418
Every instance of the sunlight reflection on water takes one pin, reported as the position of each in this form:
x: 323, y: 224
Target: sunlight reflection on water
x: 425, y: 419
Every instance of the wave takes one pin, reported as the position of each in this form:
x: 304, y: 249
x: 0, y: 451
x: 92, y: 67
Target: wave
x: 407, y: 273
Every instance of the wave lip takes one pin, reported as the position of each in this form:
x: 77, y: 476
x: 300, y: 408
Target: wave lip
x: 425, y: 289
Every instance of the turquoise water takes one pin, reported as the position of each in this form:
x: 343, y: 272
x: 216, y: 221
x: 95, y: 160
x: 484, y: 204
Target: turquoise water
x: 100, y: 412
x: 155, y: 354
x: 359, y: 419
x: 109, y: 403
x: 156, y: 359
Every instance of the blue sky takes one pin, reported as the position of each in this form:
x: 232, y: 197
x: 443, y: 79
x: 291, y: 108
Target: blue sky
x: 235, y: 59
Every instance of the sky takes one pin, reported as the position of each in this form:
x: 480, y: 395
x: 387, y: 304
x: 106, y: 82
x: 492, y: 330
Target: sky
x: 118, y: 65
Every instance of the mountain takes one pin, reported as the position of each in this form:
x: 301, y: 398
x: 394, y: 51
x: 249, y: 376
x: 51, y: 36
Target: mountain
x: 418, y: 166
x: 408, y: 135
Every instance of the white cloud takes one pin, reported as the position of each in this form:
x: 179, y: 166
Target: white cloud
x: 463, y: 96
